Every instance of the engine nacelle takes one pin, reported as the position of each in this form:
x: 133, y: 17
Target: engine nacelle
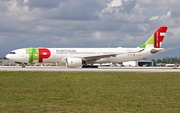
x: 74, y: 62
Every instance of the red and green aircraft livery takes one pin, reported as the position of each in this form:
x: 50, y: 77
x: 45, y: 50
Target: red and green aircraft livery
x: 38, y: 54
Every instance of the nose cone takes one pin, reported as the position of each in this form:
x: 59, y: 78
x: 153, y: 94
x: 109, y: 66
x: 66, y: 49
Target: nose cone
x: 17, y: 55
x: 7, y: 56
x: 11, y: 55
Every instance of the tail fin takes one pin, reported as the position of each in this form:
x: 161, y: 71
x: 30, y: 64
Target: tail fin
x: 156, y: 39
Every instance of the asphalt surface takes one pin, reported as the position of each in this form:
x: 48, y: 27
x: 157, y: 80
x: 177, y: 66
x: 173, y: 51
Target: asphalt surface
x: 100, y: 69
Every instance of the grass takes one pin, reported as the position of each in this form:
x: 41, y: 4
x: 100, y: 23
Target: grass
x: 89, y: 92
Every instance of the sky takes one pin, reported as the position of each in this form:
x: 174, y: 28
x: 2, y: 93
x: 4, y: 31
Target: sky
x: 87, y: 23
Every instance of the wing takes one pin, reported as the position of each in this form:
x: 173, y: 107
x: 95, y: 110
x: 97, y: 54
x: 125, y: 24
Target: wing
x: 96, y: 57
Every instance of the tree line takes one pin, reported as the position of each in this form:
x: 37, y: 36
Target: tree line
x: 167, y: 60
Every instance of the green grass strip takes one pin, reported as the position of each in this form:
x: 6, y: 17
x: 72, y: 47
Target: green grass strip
x: 89, y: 92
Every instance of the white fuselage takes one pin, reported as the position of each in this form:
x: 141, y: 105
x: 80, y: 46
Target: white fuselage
x: 59, y: 55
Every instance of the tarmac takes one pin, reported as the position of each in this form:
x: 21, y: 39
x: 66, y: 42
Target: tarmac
x: 100, y: 69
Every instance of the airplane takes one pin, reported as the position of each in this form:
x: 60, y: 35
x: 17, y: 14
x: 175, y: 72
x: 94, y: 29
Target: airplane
x: 82, y: 57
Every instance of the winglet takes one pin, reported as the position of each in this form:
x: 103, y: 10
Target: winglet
x: 156, y: 39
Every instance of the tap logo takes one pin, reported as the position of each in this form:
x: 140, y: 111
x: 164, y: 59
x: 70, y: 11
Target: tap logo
x: 38, y: 54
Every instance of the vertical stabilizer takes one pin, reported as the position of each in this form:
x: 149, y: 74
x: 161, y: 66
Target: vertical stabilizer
x: 156, y: 39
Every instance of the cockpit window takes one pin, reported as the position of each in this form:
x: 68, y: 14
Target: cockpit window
x: 12, y: 52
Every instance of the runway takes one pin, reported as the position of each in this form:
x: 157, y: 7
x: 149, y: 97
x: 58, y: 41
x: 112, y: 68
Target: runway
x: 100, y: 69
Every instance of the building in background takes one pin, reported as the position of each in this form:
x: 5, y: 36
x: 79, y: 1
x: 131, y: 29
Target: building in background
x: 141, y: 63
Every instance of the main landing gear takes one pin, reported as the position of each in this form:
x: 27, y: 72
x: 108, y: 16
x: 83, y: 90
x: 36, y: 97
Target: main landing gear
x: 89, y: 66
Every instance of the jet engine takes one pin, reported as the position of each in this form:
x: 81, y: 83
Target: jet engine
x: 74, y: 62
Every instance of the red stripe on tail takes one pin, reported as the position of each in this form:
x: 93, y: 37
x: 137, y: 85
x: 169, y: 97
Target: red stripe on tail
x: 159, y: 36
